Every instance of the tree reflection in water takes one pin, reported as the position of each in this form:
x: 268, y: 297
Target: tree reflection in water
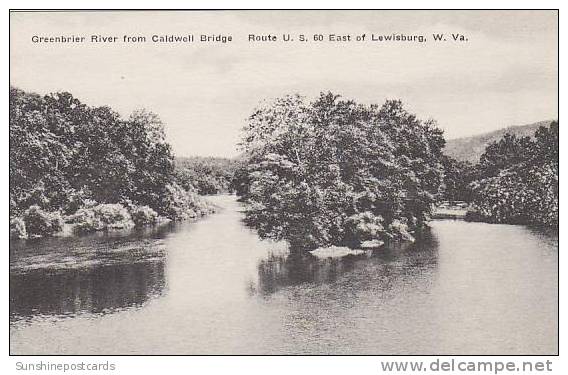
x: 99, y: 273
x: 96, y: 290
x: 379, y: 269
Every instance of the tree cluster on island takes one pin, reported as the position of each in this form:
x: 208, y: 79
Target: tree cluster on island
x: 334, y: 172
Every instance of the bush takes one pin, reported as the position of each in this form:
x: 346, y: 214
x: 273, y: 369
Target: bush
x: 400, y: 231
x: 102, y: 217
x: 365, y: 226
x: 41, y: 223
x: 143, y: 215
x: 18, y: 228
x: 183, y: 205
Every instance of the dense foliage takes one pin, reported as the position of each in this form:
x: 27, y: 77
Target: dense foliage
x: 334, y: 172
x: 39, y: 222
x: 519, y: 180
x: 206, y: 175
x: 458, y: 176
x: 102, y: 217
x: 66, y: 156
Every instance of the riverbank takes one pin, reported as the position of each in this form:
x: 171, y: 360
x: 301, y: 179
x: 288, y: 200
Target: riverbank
x: 450, y: 210
x: 36, y: 222
x: 449, y: 213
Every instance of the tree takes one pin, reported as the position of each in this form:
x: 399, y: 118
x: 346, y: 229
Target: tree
x: 333, y: 171
x: 39, y: 151
x: 518, y: 181
x: 207, y: 175
x: 457, y: 177
x: 506, y: 152
x: 64, y: 154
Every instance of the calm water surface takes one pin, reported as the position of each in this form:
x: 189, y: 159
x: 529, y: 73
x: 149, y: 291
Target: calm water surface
x: 212, y: 287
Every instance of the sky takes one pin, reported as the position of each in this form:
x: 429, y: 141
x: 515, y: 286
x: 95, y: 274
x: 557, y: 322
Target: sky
x: 505, y: 74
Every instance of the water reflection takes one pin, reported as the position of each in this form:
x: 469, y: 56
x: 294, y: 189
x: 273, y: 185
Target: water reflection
x: 95, y: 273
x: 464, y: 288
x: 387, y: 264
x: 105, y: 289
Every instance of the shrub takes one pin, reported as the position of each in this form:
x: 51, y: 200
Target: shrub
x: 102, y: 217
x: 143, y: 215
x: 365, y: 226
x: 183, y: 205
x: 41, y: 223
x: 85, y: 220
x: 18, y: 228
x: 400, y: 231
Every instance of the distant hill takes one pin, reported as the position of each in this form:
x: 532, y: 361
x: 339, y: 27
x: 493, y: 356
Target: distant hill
x: 471, y: 148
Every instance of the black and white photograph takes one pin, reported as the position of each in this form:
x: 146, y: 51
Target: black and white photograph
x: 284, y: 182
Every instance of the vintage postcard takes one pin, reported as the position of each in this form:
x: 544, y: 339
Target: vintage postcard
x: 284, y: 182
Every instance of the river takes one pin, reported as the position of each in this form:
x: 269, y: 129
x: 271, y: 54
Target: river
x: 213, y: 287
